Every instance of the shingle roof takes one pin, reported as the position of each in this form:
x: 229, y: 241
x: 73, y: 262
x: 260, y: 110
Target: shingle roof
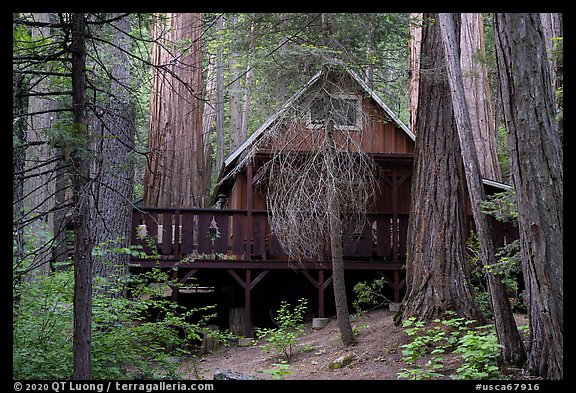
x: 257, y: 134
x: 229, y: 161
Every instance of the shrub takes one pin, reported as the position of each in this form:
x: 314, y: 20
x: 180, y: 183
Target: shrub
x: 369, y: 296
x: 477, y: 347
x: 137, y: 337
x: 142, y: 336
x: 42, y: 327
x: 290, y: 322
x: 480, y: 352
x: 507, y: 267
x: 280, y: 370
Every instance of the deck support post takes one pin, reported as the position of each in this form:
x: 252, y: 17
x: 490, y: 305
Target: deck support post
x: 248, y: 285
x: 396, y: 286
x: 247, y: 308
x: 395, y: 283
x: 321, y: 285
x: 174, y: 288
x: 321, y: 294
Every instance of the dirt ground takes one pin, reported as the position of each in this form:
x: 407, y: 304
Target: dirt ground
x: 376, y: 355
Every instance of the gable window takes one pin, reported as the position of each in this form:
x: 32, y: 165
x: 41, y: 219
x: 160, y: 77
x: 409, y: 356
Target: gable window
x: 346, y: 112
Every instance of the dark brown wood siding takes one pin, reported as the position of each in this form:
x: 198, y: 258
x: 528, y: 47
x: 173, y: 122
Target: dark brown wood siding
x: 378, y: 135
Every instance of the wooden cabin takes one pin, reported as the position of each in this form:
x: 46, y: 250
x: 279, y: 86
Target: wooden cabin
x: 230, y: 250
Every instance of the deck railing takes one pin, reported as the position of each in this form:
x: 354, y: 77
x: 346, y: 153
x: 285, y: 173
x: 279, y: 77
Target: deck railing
x: 244, y: 235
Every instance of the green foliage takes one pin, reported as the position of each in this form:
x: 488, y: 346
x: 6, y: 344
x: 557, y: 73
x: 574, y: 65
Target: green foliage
x: 225, y: 337
x: 429, y: 343
x: 507, y: 267
x: 478, y: 275
x: 33, y: 237
x: 422, y: 342
x: 369, y: 296
x: 501, y: 206
x: 557, y: 55
x: 280, y: 370
x: 560, y: 99
x: 290, y: 322
x: 42, y: 327
x: 114, y: 246
x: 480, y: 352
x: 427, y: 371
x: 438, y: 336
x: 145, y: 333
x: 136, y: 337
x: 503, y: 152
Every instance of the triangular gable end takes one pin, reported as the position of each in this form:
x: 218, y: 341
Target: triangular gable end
x: 229, y: 161
x: 249, y: 141
x: 240, y: 149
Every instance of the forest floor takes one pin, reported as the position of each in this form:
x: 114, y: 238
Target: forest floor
x: 376, y: 354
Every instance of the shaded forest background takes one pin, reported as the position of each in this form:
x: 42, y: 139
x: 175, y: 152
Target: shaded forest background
x: 103, y: 113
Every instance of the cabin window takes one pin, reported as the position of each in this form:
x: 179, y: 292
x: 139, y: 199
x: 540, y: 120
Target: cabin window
x: 346, y: 111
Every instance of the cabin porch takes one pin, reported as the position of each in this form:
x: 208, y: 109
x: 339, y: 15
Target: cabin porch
x: 237, y: 246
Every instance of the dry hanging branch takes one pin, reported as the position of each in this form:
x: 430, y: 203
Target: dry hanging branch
x: 302, y: 180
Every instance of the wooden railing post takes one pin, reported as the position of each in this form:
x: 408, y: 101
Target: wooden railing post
x: 249, y: 208
x: 176, y: 250
x: 394, y: 215
x: 184, y: 231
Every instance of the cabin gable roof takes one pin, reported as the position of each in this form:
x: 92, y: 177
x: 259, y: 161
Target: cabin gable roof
x: 232, y: 159
x: 229, y: 161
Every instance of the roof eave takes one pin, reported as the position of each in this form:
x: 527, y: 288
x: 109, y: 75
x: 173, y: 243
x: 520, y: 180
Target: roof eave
x: 238, y: 151
x: 381, y: 103
x: 268, y: 122
x: 497, y: 184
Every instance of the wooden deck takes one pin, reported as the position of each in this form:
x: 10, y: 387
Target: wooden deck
x: 244, y: 235
x: 179, y: 240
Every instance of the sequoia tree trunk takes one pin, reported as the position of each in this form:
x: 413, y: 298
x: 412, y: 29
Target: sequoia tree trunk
x: 437, y: 276
x: 176, y: 174
x: 552, y: 27
x: 234, y: 92
x: 220, y: 98
x: 210, y: 111
x: 248, y: 81
x: 536, y: 157
x: 513, y: 352
x: 414, y: 45
x: 477, y: 92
